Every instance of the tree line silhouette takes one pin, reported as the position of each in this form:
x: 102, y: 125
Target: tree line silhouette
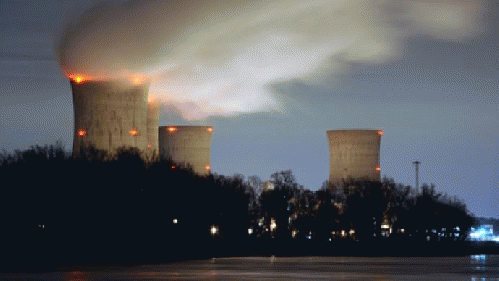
x: 124, y: 201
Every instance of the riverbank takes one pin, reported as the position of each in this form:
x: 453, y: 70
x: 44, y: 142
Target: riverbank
x: 34, y: 257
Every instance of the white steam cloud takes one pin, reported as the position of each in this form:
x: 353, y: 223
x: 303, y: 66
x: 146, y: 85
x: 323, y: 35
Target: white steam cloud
x: 221, y: 57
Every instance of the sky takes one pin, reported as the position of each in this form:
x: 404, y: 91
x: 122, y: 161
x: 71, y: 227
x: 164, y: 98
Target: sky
x: 272, y: 77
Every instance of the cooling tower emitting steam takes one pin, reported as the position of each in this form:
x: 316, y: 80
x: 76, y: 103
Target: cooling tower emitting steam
x: 187, y: 145
x: 109, y: 114
x: 354, y: 154
x: 224, y: 56
x: 153, y: 112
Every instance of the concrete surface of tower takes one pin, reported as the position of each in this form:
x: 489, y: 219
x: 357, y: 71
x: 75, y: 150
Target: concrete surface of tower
x: 109, y: 114
x: 187, y: 145
x: 153, y: 112
x: 354, y: 154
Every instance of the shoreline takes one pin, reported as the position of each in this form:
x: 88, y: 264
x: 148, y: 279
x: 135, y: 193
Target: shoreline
x: 46, y: 259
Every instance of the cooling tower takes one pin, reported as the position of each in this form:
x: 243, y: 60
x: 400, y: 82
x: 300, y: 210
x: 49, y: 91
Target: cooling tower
x: 109, y: 115
x: 189, y: 145
x: 153, y: 112
x: 354, y: 154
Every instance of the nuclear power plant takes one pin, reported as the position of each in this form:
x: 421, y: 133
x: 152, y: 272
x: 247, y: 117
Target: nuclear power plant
x: 354, y: 154
x: 112, y: 114
x: 187, y: 145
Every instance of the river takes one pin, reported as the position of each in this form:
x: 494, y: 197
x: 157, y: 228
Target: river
x: 476, y: 267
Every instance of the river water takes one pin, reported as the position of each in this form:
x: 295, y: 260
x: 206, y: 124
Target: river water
x: 477, y: 267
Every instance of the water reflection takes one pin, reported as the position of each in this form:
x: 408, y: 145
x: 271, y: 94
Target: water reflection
x: 480, y: 262
x: 476, y: 267
x: 478, y: 257
x: 76, y: 275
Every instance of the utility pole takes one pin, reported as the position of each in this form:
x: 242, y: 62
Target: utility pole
x: 417, y: 173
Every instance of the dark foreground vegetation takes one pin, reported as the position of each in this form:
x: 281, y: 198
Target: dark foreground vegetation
x: 99, y: 209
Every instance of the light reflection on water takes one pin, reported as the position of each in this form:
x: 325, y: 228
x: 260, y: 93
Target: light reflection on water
x: 476, y: 267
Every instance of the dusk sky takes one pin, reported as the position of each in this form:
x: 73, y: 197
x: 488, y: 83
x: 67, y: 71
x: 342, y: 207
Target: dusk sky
x: 272, y: 77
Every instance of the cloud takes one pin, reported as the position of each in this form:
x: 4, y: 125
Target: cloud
x: 221, y: 57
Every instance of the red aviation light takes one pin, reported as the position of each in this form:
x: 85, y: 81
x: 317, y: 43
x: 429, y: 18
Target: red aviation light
x: 173, y: 167
x: 79, y: 79
x: 81, y: 133
x: 171, y: 129
x: 210, y: 129
x: 134, y: 132
x: 380, y: 133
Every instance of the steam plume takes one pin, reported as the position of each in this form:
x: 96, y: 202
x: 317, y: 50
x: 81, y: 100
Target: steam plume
x: 221, y: 57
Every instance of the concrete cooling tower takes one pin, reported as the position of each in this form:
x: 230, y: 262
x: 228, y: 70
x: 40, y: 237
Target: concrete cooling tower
x: 109, y: 114
x: 153, y: 112
x: 354, y: 154
x: 187, y: 145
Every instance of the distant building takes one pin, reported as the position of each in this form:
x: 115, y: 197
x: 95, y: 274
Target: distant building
x: 109, y: 114
x: 113, y: 114
x: 354, y: 154
x: 187, y: 145
x: 483, y: 233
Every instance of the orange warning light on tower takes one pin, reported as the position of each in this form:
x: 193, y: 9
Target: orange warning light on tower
x: 81, y: 133
x: 79, y: 79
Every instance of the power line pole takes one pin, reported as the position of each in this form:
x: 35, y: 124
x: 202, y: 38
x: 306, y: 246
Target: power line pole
x: 417, y: 173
